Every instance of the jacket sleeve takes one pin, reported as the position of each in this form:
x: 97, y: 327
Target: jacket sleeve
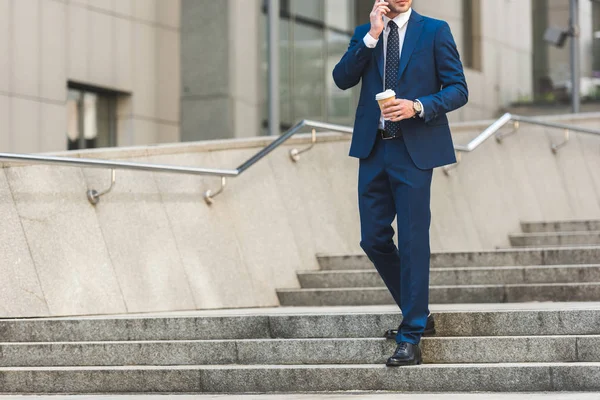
x: 348, y: 71
x: 454, y: 92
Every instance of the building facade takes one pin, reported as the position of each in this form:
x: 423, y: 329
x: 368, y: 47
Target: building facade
x: 95, y: 73
x: 88, y: 73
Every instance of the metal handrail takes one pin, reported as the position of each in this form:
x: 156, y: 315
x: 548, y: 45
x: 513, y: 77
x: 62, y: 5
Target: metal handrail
x: 495, y: 127
x: 93, y: 196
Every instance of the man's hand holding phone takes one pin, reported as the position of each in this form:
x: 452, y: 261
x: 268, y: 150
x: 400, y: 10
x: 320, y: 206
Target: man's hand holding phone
x: 380, y: 8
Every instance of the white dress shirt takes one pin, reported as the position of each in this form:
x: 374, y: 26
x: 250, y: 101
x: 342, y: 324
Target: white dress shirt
x: 401, y: 21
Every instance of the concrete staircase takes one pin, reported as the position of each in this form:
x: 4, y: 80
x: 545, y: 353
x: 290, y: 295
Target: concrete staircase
x: 478, y: 347
x: 549, y: 262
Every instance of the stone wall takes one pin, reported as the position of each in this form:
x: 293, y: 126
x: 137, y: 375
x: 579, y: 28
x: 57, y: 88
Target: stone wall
x: 153, y: 244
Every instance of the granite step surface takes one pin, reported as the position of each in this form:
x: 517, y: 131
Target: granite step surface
x: 457, y: 276
x: 443, y: 350
x: 445, y: 294
x: 353, y: 322
x: 493, y: 258
x: 555, y: 239
x: 560, y: 226
x: 501, y: 377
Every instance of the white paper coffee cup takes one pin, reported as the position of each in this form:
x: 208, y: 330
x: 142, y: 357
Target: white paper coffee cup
x: 384, y: 97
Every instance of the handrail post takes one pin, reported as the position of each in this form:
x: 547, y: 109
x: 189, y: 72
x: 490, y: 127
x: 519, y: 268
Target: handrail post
x: 209, y: 195
x: 93, y: 196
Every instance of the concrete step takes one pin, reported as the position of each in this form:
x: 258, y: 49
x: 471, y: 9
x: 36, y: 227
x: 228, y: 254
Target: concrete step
x: 445, y: 294
x: 375, y: 395
x: 561, y: 226
x: 458, y: 276
x: 455, y: 350
x: 555, y: 239
x: 503, y: 377
x: 337, y: 322
x: 508, y: 257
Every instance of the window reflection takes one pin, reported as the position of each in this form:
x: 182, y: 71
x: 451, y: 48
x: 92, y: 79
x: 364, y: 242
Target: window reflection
x: 314, y: 34
x: 91, y: 119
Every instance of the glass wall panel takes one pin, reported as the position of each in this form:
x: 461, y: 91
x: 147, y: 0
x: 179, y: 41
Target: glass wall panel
x: 314, y: 34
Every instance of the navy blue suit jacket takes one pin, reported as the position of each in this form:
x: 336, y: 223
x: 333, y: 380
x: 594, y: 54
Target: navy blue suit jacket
x: 430, y: 70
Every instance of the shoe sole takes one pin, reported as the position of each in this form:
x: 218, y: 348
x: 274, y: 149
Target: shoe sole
x: 404, y: 364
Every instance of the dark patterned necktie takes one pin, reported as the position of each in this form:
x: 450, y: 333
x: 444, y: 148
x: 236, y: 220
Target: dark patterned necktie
x: 392, y: 63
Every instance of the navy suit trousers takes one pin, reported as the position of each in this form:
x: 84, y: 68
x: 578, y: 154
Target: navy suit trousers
x: 390, y: 185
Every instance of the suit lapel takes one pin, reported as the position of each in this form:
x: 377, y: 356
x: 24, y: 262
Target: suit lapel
x: 413, y: 32
x: 379, y: 57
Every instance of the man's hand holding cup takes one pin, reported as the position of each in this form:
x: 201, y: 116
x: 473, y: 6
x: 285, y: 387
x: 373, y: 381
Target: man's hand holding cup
x: 394, y: 109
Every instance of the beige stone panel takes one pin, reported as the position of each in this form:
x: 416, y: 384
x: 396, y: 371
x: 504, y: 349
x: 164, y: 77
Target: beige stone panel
x: 590, y: 147
x: 519, y: 185
x: 262, y: 226
x: 453, y: 226
x: 140, y: 242
x: 6, y: 60
x: 477, y: 89
x: 80, y: 3
x: 53, y: 50
x: 168, y: 133
x: 65, y: 240
x: 509, y: 79
x: 123, y: 62
x: 53, y: 128
x: 101, y: 49
x: 26, y: 47
x: 490, y: 23
x: 5, y: 124
x: 441, y: 9
x: 145, y: 10
x: 169, y: 13
x: 524, y: 38
x: 144, y: 79
x: 575, y: 176
x: 490, y: 198
x: 104, y: 5
x: 124, y: 7
x: 491, y: 70
x: 78, y: 51
x: 244, y: 52
x: 125, y: 131
x: 20, y: 291
x: 25, y: 125
x: 320, y: 201
x: 525, y: 79
x: 169, y: 75
x: 206, y: 236
x: 144, y: 132
x: 247, y: 119
x: 543, y: 173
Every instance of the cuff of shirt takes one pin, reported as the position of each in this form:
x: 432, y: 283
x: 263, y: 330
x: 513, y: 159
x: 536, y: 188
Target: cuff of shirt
x: 370, y: 41
x: 422, y: 114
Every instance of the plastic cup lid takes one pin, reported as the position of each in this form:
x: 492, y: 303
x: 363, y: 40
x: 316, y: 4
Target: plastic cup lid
x: 385, y: 95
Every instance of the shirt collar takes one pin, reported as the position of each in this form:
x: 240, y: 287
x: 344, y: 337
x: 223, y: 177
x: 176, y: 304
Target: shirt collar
x: 400, y: 20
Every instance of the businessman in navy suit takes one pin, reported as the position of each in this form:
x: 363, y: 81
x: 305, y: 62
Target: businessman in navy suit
x: 398, y: 148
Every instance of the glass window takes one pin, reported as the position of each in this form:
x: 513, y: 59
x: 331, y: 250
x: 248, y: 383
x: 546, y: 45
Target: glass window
x: 472, y: 34
x: 314, y: 34
x: 91, y: 119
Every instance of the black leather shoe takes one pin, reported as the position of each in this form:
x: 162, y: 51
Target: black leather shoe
x: 429, y: 329
x: 405, y: 354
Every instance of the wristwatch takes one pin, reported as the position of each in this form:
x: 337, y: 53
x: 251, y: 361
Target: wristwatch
x: 418, y: 107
